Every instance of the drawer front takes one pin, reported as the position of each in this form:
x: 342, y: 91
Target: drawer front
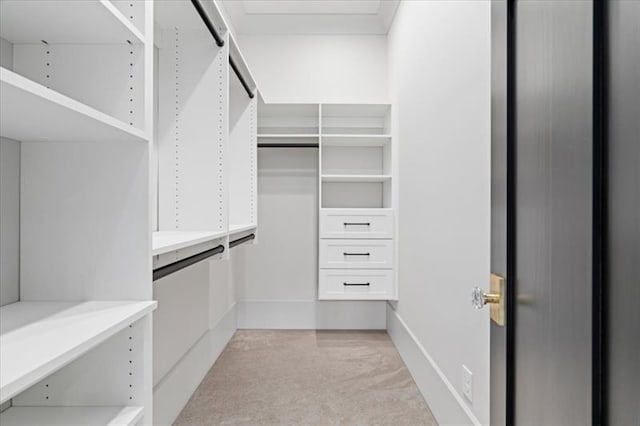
x: 351, y: 254
x: 356, y: 224
x: 340, y: 284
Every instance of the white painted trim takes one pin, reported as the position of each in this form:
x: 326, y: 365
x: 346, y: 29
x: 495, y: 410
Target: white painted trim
x: 173, y: 391
x: 445, y: 402
x: 311, y: 315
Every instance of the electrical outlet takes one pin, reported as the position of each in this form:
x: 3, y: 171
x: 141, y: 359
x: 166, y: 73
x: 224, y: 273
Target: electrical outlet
x: 467, y: 383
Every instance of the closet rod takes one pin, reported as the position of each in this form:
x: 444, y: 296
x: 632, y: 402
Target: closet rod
x: 242, y: 240
x: 169, y: 269
x: 241, y: 78
x: 288, y: 145
x: 207, y: 21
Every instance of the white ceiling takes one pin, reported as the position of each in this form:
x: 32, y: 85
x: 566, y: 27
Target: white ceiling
x: 311, y: 16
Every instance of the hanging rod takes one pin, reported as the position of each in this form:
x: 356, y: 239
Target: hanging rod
x: 241, y: 78
x: 242, y: 240
x: 169, y: 269
x: 207, y: 21
x: 288, y: 145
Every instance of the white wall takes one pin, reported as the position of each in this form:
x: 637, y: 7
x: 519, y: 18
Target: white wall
x: 439, y: 57
x: 318, y: 68
x: 278, y: 278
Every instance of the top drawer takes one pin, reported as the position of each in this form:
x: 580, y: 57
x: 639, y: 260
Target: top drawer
x: 356, y: 223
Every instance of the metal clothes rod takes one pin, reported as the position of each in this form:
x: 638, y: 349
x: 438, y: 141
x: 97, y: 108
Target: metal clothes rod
x: 242, y: 240
x: 288, y: 145
x: 207, y: 21
x: 169, y: 269
x: 240, y: 77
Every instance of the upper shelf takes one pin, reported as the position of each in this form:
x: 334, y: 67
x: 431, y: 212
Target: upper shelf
x: 30, y: 112
x: 65, y: 21
x: 168, y: 241
x: 39, y: 338
x: 287, y: 136
x: 355, y: 140
x: 356, y: 178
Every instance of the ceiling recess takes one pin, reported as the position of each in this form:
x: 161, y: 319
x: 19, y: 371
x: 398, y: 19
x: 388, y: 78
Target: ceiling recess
x: 311, y: 16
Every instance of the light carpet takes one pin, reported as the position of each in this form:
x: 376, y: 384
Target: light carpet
x: 308, y: 377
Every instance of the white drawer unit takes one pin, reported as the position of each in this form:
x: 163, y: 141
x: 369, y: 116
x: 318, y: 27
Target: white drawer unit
x: 360, y: 254
x: 356, y: 248
x: 356, y: 284
x: 356, y: 223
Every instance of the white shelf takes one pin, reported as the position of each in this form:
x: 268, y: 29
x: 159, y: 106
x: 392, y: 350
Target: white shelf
x: 354, y: 136
x: 168, y: 241
x: 359, y: 141
x: 65, y: 21
x: 64, y: 416
x: 356, y: 178
x: 30, y: 112
x: 287, y: 136
x: 39, y: 338
x: 236, y: 229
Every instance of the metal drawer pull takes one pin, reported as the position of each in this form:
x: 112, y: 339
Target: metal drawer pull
x: 357, y: 223
x: 357, y: 284
x: 357, y: 254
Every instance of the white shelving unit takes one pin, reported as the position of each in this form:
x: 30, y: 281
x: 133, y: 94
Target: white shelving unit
x: 243, y: 144
x: 356, y: 247
x: 355, y: 189
x: 75, y: 115
x: 207, y: 136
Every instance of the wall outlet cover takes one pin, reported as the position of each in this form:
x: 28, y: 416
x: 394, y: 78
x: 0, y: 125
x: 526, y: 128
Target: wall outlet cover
x: 467, y: 383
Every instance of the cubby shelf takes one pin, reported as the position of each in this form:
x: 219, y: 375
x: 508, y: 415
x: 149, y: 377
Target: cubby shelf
x: 59, y: 118
x: 63, y: 416
x: 38, y: 338
x: 65, y: 21
x: 356, y: 178
x: 168, y: 241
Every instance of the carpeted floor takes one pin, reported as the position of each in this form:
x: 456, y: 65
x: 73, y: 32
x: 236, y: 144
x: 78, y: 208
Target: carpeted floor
x: 276, y: 377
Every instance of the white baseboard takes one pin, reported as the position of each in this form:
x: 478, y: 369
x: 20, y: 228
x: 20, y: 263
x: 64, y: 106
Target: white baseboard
x: 173, y: 391
x: 311, y: 314
x: 445, y: 402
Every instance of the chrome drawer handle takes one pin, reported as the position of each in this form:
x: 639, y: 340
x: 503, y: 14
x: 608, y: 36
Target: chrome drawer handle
x: 357, y: 284
x: 357, y: 254
x: 357, y: 223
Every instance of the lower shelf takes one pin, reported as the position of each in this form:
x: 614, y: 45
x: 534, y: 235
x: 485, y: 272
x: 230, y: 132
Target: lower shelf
x: 234, y: 230
x: 168, y: 241
x: 39, y: 338
x: 64, y: 416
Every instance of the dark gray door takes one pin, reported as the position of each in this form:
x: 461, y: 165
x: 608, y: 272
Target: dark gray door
x: 623, y: 265
x: 553, y: 211
x: 499, y: 249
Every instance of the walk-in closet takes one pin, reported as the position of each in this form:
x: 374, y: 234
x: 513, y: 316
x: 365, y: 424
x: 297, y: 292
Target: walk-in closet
x: 319, y: 212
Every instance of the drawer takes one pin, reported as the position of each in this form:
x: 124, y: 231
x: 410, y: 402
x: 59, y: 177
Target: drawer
x: 356, y: 223
x: 341, y: 284
x: 351, y: 254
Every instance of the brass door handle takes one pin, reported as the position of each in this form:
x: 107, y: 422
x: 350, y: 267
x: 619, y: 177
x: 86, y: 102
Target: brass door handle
x: 495, y: 298
x: 479, y: 298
